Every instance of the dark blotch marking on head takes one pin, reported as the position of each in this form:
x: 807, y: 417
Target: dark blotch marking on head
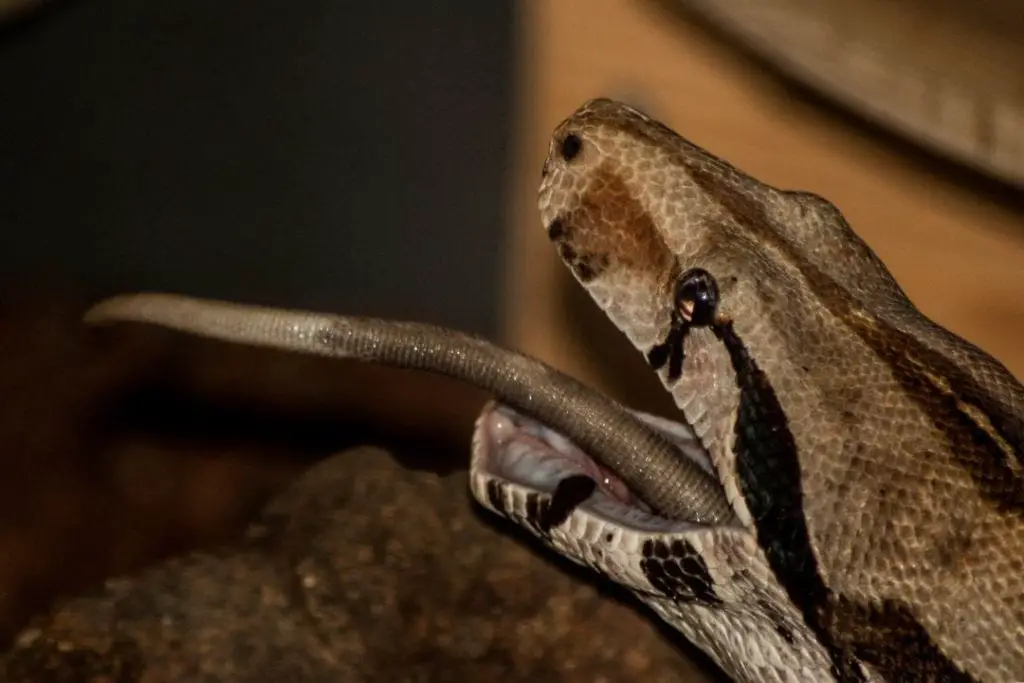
x: 659, y: 353
x: 585, y: 271
x: 587, y: 266
x: 675, y: 359
x: 568, y: 495
x: 610, y: 228
x: 679, y: 572
x: 556, y: 230
x: 670, y: 351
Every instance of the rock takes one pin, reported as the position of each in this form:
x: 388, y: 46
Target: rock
x: 360, y: 571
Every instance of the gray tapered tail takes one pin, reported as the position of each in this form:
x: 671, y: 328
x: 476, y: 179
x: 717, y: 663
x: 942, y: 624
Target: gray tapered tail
x: 652, y: 466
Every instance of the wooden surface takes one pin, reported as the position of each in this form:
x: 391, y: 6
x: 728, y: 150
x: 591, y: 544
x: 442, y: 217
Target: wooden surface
x: 955, y: 243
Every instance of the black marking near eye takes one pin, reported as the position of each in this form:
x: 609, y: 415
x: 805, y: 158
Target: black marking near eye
x: 695, y: 304
x: 679, y: 572
x: 658, y: 355
x: 568, y: 495
x: 670, y: 351
x: 571, y: 146
x: 675, y: 359
x: 768, y: 469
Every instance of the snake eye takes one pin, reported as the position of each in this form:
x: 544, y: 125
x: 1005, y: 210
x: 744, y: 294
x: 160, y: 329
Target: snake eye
x: 696, y: 297
x: 571, y: 146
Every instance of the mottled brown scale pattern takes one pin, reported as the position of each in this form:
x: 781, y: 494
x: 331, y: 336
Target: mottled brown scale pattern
x: 609, y: 228
x: 903, y: 443
x: 994, y: 465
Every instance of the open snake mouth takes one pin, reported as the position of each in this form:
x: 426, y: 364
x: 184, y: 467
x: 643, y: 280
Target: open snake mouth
x: 517, y: 459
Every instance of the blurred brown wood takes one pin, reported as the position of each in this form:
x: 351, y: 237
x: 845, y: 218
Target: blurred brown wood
x: 955, y: 243
x: 944, y: 73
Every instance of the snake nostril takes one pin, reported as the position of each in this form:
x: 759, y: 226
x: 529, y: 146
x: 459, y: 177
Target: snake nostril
x: 571, y: 146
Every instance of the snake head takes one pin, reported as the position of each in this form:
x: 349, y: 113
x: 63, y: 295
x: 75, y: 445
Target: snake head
x: 857, y: 441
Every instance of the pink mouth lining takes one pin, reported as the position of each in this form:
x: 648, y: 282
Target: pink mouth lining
x: 517, y: 438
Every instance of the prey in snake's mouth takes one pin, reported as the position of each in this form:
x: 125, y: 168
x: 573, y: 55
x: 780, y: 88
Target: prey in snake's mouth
x: 517, y: 459
x: 521, y: 456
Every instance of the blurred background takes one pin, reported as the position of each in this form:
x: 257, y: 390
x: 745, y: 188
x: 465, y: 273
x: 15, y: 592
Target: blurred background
x: 382, y: 158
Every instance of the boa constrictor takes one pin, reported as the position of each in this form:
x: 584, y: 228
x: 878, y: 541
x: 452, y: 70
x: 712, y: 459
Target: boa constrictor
x: 842, y: 498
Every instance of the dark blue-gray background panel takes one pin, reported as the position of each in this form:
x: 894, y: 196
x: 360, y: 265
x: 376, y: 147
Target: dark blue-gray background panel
x: 330, y: 155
